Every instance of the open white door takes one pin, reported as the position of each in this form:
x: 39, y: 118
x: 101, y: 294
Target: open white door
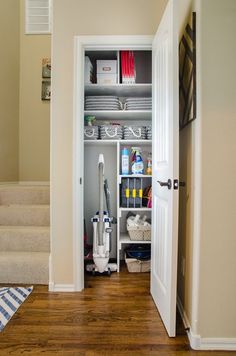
x: 165, y: 167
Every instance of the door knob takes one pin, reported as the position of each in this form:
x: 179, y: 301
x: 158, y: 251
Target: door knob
x: 167, y: 184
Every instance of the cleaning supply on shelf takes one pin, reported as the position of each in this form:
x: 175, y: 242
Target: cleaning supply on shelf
x: 137, y: 166
x: 90, y: 120
x: 147, y: 197
x: 124, y: 161
x: 149, y: 164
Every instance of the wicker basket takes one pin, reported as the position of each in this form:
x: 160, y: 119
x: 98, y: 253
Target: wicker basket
x: 137, y: 266
x: 139, y: 233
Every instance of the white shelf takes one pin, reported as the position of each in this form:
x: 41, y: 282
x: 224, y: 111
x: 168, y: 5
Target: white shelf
x: 120, y: 90
x: 114, y: 142
x: 120, y: 114
x: 135, y: 209
x: 135, y: 176
x: 101, y: 142
x: 125, y: 239
x: 143, y: 142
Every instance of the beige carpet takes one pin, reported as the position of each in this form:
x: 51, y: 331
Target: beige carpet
x: 24, y: 234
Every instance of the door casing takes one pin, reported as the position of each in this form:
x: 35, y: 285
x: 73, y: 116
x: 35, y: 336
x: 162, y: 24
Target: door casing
x: 81, y: 44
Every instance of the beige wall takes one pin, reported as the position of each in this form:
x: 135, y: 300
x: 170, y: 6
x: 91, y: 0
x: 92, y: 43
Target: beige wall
x: 77, y: 17
x: 217, y: 311
x: 34, y: 115
x: 9, y: 90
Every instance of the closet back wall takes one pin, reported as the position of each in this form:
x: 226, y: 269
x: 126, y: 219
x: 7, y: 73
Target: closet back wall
x: 75, y: 17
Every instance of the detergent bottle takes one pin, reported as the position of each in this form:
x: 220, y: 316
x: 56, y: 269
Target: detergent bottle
x: 137, y: 166
x: 149, y: 164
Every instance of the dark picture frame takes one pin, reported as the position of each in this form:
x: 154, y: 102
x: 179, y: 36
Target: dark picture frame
x: 187, y: 74
x: 46, y: 90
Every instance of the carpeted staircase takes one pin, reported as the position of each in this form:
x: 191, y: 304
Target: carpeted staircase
x: 24, y: 234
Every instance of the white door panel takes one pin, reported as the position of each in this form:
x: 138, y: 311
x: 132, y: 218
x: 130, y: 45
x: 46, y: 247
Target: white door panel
x: 165, y: 167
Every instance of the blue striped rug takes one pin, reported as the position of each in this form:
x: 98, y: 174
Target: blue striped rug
x: 10, y: 300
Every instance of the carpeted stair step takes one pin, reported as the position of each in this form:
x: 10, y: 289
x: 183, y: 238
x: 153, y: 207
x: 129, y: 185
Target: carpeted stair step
x: 27, y: 215
x: 17, y: 194
x: 25, y: 238
x: 24, y: 267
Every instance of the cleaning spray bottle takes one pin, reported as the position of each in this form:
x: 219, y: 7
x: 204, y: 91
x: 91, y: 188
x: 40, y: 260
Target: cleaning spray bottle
x: 137, y: 166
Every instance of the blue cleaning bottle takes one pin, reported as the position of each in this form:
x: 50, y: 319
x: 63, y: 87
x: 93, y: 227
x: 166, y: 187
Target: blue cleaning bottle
x: 125, y: 161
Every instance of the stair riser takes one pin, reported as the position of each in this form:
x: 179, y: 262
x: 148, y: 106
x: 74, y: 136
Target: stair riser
x: 15, y: 216
x: 24, y: 197
x: 24, y: 241
x: 26, y: 270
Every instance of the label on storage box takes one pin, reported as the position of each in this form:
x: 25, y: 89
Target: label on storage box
x: 106, y: 66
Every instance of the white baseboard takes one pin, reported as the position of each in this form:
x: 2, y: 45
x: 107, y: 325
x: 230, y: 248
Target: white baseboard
x: 61, y: 287
x: 224, y: 344
x: 199, y: 343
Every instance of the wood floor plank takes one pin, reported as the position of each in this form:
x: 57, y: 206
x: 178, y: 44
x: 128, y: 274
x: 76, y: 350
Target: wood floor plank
x: 112, y: 316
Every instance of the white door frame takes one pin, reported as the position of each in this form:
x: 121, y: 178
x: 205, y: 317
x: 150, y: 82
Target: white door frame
x: 82, y: 43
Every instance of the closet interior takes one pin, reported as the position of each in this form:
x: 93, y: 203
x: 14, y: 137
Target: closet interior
x: 118, y: 124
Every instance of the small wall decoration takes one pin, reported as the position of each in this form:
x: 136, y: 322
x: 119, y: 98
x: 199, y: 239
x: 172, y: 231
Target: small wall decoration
x: 46, y: 82
x: 46, y: 90
x: 46, y: 67
x: 187, y: 74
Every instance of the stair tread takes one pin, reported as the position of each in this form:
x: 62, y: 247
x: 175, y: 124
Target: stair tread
x: 26, y: 254
x: 27, y: 227
x: 11, y: 187
x: 24, y: 267
x: 21, y: 206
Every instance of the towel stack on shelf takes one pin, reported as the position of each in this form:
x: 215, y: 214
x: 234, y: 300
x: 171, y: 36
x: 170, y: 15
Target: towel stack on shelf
x: 149, y: 132
x: 138, y: 103
x: 134, y: 133
x: 93, y: 103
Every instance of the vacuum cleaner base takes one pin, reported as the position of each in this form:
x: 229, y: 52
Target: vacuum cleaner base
x: 111, y: 267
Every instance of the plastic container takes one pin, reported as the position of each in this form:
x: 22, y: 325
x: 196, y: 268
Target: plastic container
x: 125, y: 161
x: 149, y: 164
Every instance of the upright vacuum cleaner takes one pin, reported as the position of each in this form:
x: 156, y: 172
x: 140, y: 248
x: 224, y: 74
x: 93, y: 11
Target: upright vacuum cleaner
x: 102, y: 229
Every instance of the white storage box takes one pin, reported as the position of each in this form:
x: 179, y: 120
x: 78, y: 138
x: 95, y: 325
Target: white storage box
x: 137, y: 266
x: 88, y: 71
x: 106, y: 66
x: 106, y: 78
x: 106, y: 71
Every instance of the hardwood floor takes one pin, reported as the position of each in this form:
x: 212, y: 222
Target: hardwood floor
x: 112, y: 316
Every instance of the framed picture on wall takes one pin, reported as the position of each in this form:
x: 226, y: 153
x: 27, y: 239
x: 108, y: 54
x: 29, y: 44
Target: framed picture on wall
x: 187, y: 73
x: 46, y: 67
x: 46, y: 90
